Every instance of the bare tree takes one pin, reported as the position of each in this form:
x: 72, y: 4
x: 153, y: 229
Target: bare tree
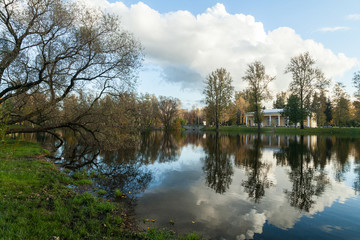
x: 258, y: 88
x: 53, y: 48
x: 168, y: 110
x: 305, y: 78
x: 218, y: 93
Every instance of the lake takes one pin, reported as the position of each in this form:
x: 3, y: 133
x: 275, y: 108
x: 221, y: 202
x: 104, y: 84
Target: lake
x: 235, y: 186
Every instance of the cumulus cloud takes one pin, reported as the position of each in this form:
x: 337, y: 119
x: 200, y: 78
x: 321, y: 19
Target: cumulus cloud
x: 333, y: 29
x: 183, y: 44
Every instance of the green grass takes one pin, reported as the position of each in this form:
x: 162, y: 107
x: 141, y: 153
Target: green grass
x: 335, y: 131
x: 36, y: 202
x: 13, y: 149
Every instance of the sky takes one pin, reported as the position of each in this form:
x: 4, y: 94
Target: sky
x: 184, y: 41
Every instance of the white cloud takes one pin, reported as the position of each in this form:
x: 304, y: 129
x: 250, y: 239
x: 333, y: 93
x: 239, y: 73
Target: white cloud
x: 333, y: 29
x: 353, y: 17
x: 197, y: 45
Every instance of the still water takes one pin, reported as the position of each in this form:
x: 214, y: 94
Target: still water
x: 236, y: 187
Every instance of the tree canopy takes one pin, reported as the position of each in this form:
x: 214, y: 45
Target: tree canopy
x: 218, y: 93
x: 258, y: 88
x: 305, y: 77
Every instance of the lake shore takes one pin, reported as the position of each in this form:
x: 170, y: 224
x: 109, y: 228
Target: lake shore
x: 38, y: 201
x: 330, y: 131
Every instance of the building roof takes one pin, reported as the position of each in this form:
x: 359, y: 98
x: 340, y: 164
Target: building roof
x: 270, y: 111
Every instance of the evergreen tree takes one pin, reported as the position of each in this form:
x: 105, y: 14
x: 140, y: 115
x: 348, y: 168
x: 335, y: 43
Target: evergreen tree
x: 280, y: 101
x: 328, y: 111
x: 293, y: 111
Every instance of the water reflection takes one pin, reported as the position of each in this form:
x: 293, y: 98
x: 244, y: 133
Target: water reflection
x: 232, y: 186
x: 217, y: 166
x: 307, y: 181
x: 257, y: 171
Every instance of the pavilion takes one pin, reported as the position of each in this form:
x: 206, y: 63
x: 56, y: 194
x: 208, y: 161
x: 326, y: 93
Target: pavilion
x: 274, y: 117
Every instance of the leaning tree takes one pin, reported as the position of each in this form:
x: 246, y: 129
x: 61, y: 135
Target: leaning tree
x: 53, y: 49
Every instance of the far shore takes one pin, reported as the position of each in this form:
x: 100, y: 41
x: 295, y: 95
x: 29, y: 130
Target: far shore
x: 323, y: 131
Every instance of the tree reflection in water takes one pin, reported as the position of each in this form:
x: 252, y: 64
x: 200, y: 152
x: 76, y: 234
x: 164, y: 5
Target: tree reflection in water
x: 257, y: 172
x: 114, y: 170
x: 307, y: 182
x: 125, y: 168
x: 217, y: 166
x: 356, y: 184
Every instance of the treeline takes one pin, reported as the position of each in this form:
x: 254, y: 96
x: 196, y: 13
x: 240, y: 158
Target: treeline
x: 308, y: 95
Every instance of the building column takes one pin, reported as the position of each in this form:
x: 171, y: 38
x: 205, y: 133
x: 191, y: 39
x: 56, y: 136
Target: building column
x: 245, y: 120
x: 278, y: 140
x: 308, y: 121
x: 270, y: 120
x: 279, y: 120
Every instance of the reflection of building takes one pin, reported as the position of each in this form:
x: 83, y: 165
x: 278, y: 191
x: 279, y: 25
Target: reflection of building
x: 275, y: 141
x: 273, y: 117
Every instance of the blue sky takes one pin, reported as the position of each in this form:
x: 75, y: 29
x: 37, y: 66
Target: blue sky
x: 333, y: 28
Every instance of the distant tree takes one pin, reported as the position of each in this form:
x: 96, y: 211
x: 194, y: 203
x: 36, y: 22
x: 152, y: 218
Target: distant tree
x: 356, y: 118
x: 218, y: 93
x: 258, y: 82
x: 341, y: 102
x: 356, y: 83
x: 280, y: 101
x: 318, y: 106
x: 292, y: 109
x: 177, y: 124
x: 305, y: 78
x: 148, y: 107
x: 241, y: 105
x: 356, y: 104
x: 328, y: 111
x: 168, y: 109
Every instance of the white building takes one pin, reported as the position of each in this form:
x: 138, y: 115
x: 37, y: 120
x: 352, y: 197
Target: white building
x: 273, y: 117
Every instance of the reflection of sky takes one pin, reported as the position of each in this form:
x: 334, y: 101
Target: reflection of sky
x: 179, y: 192
x: 188, y: 161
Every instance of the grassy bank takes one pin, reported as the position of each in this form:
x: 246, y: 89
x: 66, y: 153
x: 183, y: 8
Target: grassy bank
x: 344, y: 131
x: 37, y: 202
